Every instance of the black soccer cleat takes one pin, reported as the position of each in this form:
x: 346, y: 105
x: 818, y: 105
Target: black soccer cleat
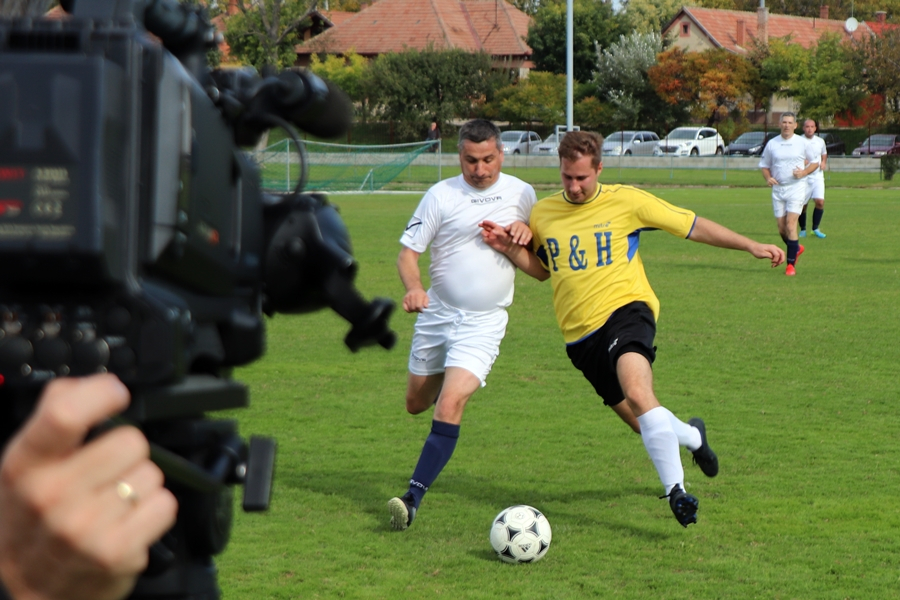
x: 684, y: 506
x: 403, y: 511
x: 704, y: 457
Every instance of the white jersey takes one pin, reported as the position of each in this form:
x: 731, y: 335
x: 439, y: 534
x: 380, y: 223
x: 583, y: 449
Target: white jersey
x: 781, y: 156
x: 465, y: 272
x: 818, y: 148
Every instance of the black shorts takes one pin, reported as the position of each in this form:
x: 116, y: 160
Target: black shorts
x: 630, y: 329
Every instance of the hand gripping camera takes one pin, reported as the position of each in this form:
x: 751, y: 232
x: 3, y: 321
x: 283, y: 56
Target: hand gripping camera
x: 135, y: 239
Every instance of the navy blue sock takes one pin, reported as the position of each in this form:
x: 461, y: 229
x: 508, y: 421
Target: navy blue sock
x: 817, y: 217
x: 793, y: 246
x: 436, y: 452
x: 801, y: 221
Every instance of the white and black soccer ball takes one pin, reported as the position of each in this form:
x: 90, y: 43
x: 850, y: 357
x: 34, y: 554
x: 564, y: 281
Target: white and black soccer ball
x: 520, y: 534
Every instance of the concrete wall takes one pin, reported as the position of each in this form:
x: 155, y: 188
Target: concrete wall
x: 838, y: 164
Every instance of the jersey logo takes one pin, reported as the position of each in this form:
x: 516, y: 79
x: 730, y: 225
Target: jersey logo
x: 414, y: 223
x: 601, y: 254
x: 486, y: 199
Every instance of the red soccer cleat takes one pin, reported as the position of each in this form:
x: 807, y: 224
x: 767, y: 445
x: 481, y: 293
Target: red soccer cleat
x: 790, y: 271
x: 799, y: 252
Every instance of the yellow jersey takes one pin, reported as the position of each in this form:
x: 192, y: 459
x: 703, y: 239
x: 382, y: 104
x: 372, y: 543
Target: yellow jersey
x: 591, y: 252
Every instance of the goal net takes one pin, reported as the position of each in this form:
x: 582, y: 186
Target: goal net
x: 348, y: 167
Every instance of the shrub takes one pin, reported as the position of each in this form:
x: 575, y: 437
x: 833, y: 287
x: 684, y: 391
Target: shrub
x: 890, y: 163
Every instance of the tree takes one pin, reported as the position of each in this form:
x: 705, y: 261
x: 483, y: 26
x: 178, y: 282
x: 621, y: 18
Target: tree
x: 526, y: 6
x: 413, y: 88
x: 264, y: 32
x: 540, y: 98
x: 646, y: 16
x: 829, y: 82
x: 710, y: 84
x: 622, y: 81
x: 348, y: 73
x: 879, y: 59
x: 593, y: 22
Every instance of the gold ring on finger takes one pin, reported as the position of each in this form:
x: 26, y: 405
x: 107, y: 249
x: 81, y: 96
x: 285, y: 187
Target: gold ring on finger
x: 126, y: 492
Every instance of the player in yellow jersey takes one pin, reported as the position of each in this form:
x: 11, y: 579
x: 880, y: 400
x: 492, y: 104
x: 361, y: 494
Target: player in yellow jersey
x: 586, y: 242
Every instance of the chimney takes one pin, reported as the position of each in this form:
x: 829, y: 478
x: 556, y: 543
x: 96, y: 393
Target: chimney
x: 880, y: 16
x: 232, y: 7
x: 741, y: 28
x: 823, y: 12
x: 762, y: 19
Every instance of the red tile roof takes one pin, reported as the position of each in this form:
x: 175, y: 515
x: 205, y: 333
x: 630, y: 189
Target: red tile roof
x: 494, y: 26
x: 721, y: 26
x: 336, y: 16
x: 880, y: 28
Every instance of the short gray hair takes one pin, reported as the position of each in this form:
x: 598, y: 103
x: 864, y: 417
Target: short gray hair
x: 479, y: 130
x: 789, y: 114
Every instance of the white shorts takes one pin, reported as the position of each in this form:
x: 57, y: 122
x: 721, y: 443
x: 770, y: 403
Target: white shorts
x: 449, y: 337
x: 815, y: 189
x: 788, y: 199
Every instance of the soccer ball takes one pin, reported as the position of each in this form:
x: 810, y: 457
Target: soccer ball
x: 520, y: 534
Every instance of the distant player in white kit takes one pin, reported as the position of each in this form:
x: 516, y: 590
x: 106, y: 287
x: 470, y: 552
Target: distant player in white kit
x: 463, y: 316
x: 816, y: 181
x: 785, y: 162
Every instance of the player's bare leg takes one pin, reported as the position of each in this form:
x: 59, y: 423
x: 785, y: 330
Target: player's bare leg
x: 624, y: 412
x: 422, y: 392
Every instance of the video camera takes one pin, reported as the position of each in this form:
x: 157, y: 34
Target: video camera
x: 135, y: 239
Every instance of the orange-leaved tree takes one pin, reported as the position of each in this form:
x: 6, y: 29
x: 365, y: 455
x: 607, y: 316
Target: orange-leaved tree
x: 709, y: 84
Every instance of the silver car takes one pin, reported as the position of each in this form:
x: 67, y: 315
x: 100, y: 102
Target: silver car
x: 626, y: 143
x: 519, y: 142
x: 548, y: 146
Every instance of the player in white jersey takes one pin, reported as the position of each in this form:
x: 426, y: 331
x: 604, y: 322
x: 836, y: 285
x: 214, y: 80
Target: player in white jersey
x: 786, y: 161
x: 816, y: 181
x: 463, y: 315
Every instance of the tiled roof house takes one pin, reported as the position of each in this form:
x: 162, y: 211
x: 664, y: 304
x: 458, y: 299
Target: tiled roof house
x: 493, y: 26
x: 700, y: 29
x: 697, y: 29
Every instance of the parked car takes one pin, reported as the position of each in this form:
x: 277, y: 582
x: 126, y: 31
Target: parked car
x: 833, y: 144
x: 626, y: 143
x: 877, y: 145
x: 750, y: 143
x: 548, y: 146
x: 691, y: 141
x: 519, y: 142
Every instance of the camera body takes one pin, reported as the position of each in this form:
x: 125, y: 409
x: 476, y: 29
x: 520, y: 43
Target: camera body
x: 135, y: 239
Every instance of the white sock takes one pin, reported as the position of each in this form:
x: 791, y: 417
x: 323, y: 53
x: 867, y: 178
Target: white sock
x: 662, y: 446
x: 688, y: 435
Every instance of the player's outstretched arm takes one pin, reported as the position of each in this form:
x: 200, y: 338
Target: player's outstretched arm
x: 713, y: 234
x: 501, y: 240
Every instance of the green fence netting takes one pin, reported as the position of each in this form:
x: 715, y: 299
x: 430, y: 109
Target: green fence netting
x: 339, y: 167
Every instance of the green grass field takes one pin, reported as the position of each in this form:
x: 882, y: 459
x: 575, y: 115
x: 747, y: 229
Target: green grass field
x: 796, y: 378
